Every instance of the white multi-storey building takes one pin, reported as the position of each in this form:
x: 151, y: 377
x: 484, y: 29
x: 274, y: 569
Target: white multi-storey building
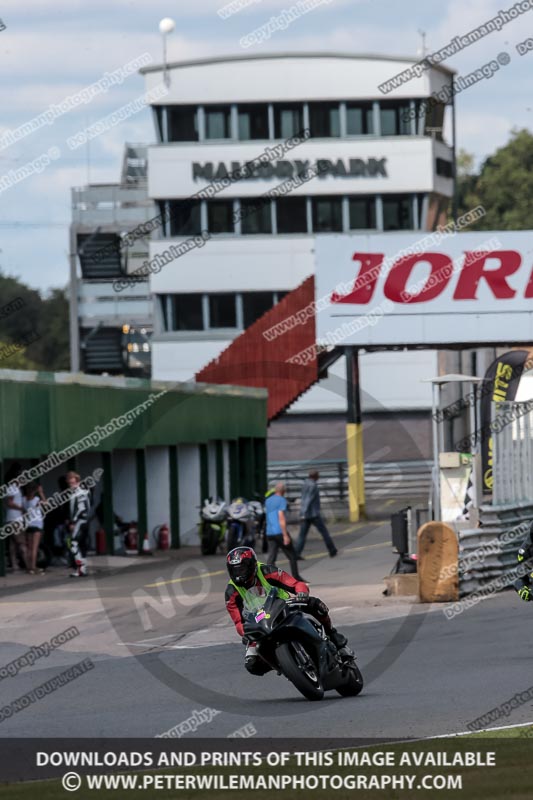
x: 386, y: 163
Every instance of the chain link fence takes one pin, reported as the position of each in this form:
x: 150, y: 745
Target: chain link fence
x: 406, y: 480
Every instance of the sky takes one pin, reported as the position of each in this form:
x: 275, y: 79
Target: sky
x: 53, y: 48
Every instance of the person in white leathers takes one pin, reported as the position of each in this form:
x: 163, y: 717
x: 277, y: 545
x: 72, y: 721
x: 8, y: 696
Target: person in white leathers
x: 79, y: 506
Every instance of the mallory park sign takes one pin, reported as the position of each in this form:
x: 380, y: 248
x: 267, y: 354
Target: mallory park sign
x: 339, y: 168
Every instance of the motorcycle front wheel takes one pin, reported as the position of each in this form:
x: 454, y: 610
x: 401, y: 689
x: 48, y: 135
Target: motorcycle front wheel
x: 209, y: 542
x: 233, y: 537
x: 353, y: 684
x: 298, y: 666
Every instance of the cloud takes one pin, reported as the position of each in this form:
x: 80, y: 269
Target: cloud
x: 161, y: 8
x: 55, y: 48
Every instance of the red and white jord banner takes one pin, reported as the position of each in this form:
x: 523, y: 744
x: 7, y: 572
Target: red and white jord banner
x: 425, y: 289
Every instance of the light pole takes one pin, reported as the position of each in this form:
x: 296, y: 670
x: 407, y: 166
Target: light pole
x: 166, y: 26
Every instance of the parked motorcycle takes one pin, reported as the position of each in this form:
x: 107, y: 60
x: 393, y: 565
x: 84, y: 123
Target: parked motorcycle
x: 213, y: 525
x: 258, y: 515
x: 240, y: 530
x: 294, y: 644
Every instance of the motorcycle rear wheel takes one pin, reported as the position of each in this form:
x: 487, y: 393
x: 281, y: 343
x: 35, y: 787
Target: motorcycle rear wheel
x: 308, y: 683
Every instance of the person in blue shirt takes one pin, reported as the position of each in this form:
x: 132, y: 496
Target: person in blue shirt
x: 276, y: 529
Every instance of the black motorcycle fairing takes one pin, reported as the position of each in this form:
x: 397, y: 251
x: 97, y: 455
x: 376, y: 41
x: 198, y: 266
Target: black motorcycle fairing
x: 279, y: 622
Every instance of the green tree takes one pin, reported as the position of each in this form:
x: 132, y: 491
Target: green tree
x: 11, y: 358
x: 52, y: 350
x: 466, y: 181
x: 504, y: 186
x: 47, y: 316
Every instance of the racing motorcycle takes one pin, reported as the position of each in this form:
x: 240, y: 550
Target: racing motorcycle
x: 295, y: 645
x: 213, y: 525
x: 240, y: 530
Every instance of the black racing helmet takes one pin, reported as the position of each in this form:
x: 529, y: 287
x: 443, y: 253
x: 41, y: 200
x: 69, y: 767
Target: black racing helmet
x: 242, y: 566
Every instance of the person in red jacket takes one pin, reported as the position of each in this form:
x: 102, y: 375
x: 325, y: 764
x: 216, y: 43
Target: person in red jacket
x: 248, y: 575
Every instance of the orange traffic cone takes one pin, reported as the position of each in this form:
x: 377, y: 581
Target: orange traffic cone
x: 147, y: 550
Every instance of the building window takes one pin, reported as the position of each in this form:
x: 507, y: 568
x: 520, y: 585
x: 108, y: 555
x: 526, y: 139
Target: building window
x: 165, y: 314
x: 444, y: 168
x: 161, y: 206
x: 288, y: 120
x: 324, y: 119
x: 222, y: 311
x: 256, y: 216
x: 434, y: 120
x: 158, y: 113
x: 291, y: 214
x: 184, y: 217
x: 253, y: 122
x: 254, y: 305
x: 92, y: 266
x: 395, y: 118
x: 217, y: 122
x: 220, y: 216
x: 186, y: 312
x: 327, y: 214
x: 182, y: 124
x: 359, y: 119
x: 362, y: 212
x: 397, y: 213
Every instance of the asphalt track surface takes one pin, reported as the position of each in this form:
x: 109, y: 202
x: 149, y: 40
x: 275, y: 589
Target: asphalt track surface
x: 425, y: 675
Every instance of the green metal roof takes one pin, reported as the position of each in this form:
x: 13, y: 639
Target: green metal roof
x: 44, y: 412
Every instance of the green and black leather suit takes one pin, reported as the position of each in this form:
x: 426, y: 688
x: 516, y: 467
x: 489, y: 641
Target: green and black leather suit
x: 523, y: 585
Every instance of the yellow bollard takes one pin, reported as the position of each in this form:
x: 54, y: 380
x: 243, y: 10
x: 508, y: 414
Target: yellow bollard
x: 356, y: 470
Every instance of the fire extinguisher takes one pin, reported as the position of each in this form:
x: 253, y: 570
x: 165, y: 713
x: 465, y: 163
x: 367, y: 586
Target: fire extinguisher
x: 162, y: 536
x: 101, y: 543
x: 130, y: 540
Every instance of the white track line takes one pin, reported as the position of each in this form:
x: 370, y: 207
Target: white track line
x: 156, y: 638
x: 70, y: 616
x: 483, y: 730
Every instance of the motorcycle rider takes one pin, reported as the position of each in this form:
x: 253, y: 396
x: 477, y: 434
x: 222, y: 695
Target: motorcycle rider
x: 79, y: 507
x: 523, y: 584
x: 251, y: 578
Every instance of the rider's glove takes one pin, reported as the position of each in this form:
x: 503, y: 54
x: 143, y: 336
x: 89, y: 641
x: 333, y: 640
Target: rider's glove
x: 525, y: 593
x: 301, y: 597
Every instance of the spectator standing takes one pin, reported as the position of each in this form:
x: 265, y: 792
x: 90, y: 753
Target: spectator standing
x: 276, y: 529
x: 33, y: 496
x: 14, y: 510
x: 310, y: 515
x: 79, y: 506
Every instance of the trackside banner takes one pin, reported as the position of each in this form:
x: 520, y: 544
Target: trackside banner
x: 425, y: 289
x: 500, y: 383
